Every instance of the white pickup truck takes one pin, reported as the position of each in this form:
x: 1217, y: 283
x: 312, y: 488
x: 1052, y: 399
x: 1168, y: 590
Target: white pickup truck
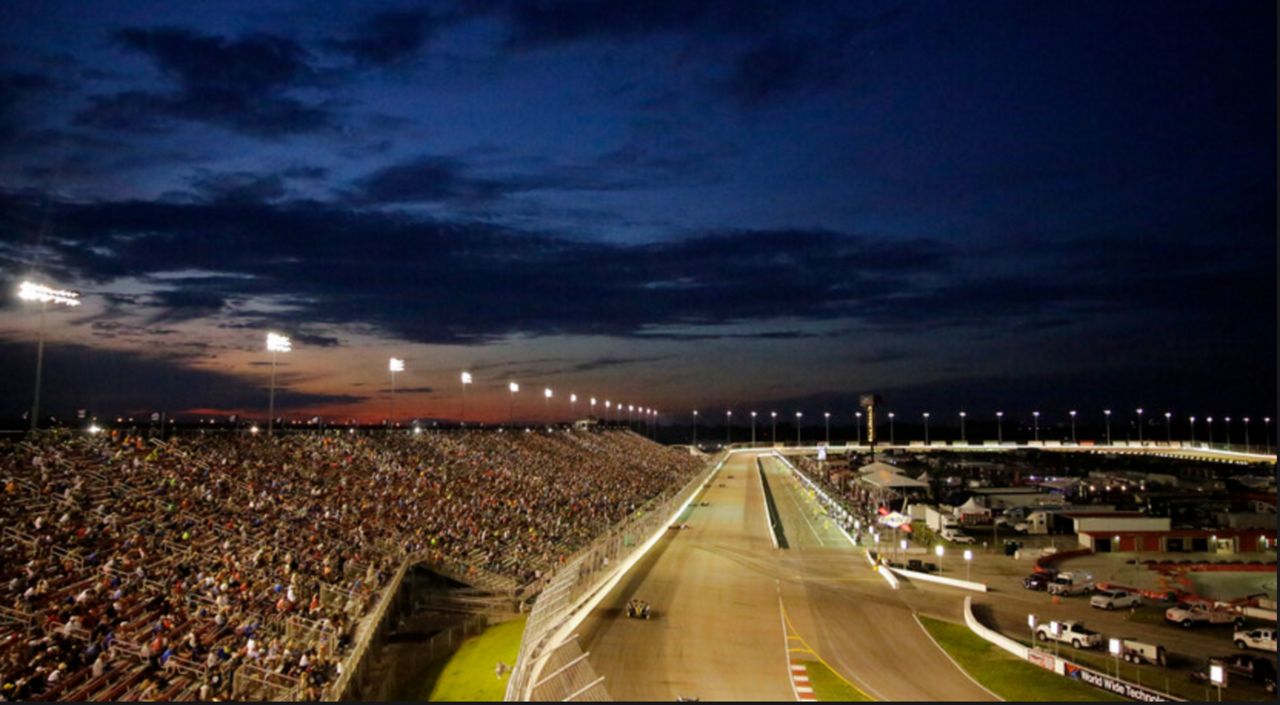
x: 1189, y: 614
x: 955, y: 535
x: 1260, y: 639
x: 1073, y: 633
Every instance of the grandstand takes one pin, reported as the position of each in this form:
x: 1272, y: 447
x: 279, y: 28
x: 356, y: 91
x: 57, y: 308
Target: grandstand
x: 246, y: 567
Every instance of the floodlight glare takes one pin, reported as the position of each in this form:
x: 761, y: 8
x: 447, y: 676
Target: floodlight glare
x: 514, y: 387
x: 30, y: 291
x: 466, y: 378
x: 278, y: 343
x: 396, y: 365
x: 547, y: 392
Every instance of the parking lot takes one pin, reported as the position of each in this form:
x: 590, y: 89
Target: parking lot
x: 1008, y: 604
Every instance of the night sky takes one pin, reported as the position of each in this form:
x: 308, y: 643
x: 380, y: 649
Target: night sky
x: 770, y: 205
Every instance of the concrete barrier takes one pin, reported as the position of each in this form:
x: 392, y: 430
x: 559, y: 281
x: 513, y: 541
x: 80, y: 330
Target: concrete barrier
x: 1014, y: 647
x: 941, y: 580
x: 884, y: 571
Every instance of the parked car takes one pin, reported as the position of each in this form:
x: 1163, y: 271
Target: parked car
x: 1070, y: 584
x: 1073, y: 633
x: 955, y: 535
x: 1114, y: 599
x: 1189, y: 614
x: 1134, y: 651
x: 1037, y: 581
x: 1254, y: 668
x: 1260, y: 639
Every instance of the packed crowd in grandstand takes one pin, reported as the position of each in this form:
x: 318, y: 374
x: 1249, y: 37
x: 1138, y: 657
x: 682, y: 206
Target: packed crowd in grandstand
x: 143, y: 569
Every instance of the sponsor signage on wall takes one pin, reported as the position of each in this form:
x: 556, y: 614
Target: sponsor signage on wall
x: 1113, y: 685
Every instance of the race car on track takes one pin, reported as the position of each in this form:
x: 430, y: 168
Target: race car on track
x: 638, y: 609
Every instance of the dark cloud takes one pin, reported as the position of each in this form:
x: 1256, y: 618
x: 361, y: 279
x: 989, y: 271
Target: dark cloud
x: 429, y: 180
x: 239, y: 186
x: 389, y: 37
x: 561, y: 21
x: 140, y: 383
x: 783, y: 66
x: 15, y: 88
x: 237, y: 84
x: 408, y: 390
x: 187, y: 303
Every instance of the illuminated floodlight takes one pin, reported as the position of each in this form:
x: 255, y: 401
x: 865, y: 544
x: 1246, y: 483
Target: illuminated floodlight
x: 396, y: 365
x: 466, y: 378
x: 1113, y: 645
x: 593, y: 401
x: 30, y: 291
x: 938, y: 550
x: 514, y: 387
x: 277, y: 343
x: 573, y: 398
x: 547, y: 392
x: 1216, y: 675
x: 254, y: 429
x: 95, y: 429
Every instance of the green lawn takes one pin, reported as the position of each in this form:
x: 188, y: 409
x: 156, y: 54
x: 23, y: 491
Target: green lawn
x: 1003, y: 674
x: 829, y: 687
x: 468, y: 675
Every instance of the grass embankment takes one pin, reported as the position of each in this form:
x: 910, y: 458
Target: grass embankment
x: 468, y: 675
x: 829, y: 687
x: 1003, y: 674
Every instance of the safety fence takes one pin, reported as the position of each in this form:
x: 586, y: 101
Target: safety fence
x: 551, y: 666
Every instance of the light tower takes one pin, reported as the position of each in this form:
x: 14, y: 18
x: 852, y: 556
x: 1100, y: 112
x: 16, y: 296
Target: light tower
x: 1000, y: 427
x: 963, y: 438
x: 1107, y: 414
x: 773, y: 434
x: 512, y: 387
x: 1192, y: 420
x: 799, y: 415
x: 573, y: 405
x: 546, y: 402
x: 275, y: 344
x: 395, y: 365
x: 1036, y: 416
x: 826, y: 420
x: 892, y: 440
x: 1072, y: 413
x: 926, y: 428
x: 30, y: 291
x: 858, y: 426
x: 728, y: 427
x: 1168, y: 427
x: 466, y: 382
x: 1226, y: 430
x: 1139, y: 425
x: 753, y: 429
x: 593, y: 407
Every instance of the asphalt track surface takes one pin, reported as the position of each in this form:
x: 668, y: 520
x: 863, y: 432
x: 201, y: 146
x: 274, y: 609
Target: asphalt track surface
x: 730, y: 610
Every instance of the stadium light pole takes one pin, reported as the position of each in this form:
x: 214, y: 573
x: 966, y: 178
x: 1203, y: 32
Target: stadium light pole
x: 1072, y: 413
x: 826, y: 420
x: 631, y: 410
x: 1000, y: 427
x: 1209, y: 421
x: 1266, y: 425
x: 799, y: 416
x: 1227, y: 429
x: 1139, y: 425
x: 753, y: 429
x: 396, y: 365
x: 728, y: 427
x: 1036, y: 415
x: 963, y: 438
x: 858, y: 426
x: 1246, y: 434
x: 1192, y: 420
x: 695, y: 428
x: 276, y: 343
x: 30, y: 291
x: 926, y: 428
x: 466, y: 382
x: 546, y: 402
x: 1168, y: 426
x: 573, y: 405
x: 593, y: 408
x: 891, y: 438
x: 1107, y: 413
x: 512, y: 387
x: 773, y: 434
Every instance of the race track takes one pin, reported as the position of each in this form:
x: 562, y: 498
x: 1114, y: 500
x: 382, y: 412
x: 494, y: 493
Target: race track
x: 725, y: 600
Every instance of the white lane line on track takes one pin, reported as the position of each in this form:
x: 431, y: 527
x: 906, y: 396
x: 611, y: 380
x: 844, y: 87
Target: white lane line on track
x: 786, y: 644
x: 952, y: 660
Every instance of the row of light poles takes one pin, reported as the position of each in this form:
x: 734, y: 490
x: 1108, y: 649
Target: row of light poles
x: 276, y: 343
x: 999, y: 415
